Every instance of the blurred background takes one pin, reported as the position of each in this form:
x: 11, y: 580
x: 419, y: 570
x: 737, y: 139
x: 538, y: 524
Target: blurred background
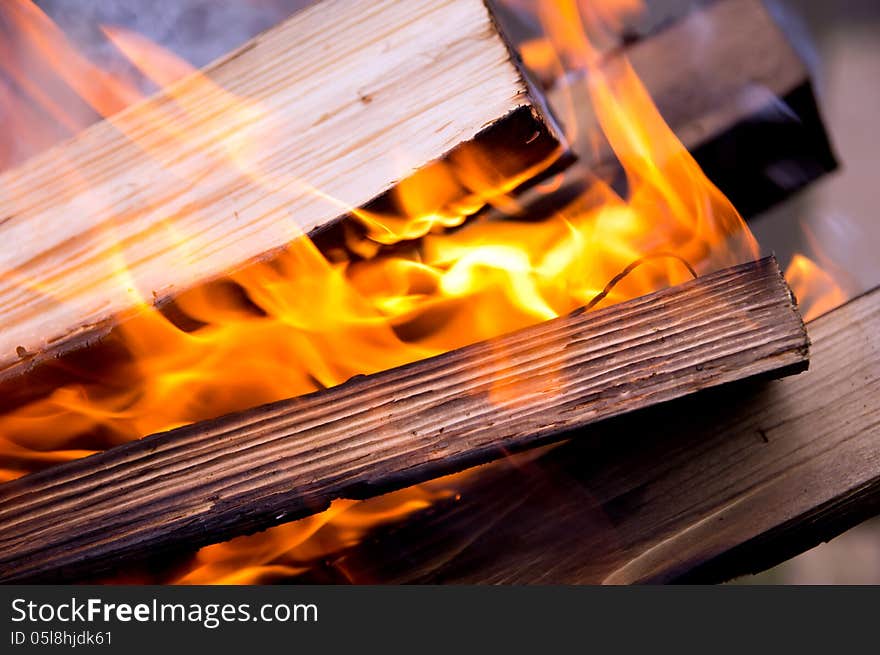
x: 834, y: 221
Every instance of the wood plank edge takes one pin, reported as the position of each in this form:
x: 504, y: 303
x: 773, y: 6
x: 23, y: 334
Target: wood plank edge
x: 302, y: 505
x: 525, y: 122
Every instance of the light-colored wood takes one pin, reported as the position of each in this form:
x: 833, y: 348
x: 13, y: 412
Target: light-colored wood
x: 704, y: 489
x: 304, y: 123
x: 247, y: 471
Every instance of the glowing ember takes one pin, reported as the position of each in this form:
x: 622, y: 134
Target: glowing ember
x: 313, y: 318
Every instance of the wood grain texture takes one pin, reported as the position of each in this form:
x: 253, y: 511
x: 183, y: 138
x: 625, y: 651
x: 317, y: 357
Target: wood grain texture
x: 723, y: 483
x: 245, y: 472
x: 306, y: 122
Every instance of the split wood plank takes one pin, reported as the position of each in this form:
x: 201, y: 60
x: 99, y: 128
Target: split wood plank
x: 704, y: 489
x: 245, y: 472
x: 306, y: 122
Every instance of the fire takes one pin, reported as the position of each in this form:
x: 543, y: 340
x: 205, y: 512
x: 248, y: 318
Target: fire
x: 290, y: 549
x: 572, y: 28
x: 48, y: 90
x: 384, y: 290
x: 816, y: 290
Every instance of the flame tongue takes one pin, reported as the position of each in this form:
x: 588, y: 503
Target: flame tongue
x: 816, y: 290
x: 313, y: 318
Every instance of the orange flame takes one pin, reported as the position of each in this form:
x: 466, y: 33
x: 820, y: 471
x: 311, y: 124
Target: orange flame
x: 816, y: 290
x: 314, y: 317
x: 576, y: 26
x: 290, y: 549
x: 51, y: 91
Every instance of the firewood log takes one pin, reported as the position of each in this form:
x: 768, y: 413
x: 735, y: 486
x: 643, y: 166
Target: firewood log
x: 316, y: 117
x: 704, y: 489
x: 731, y: 86
x: 245, y: 472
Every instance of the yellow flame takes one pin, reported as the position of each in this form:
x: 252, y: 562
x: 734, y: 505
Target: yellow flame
x: 389, y: 289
